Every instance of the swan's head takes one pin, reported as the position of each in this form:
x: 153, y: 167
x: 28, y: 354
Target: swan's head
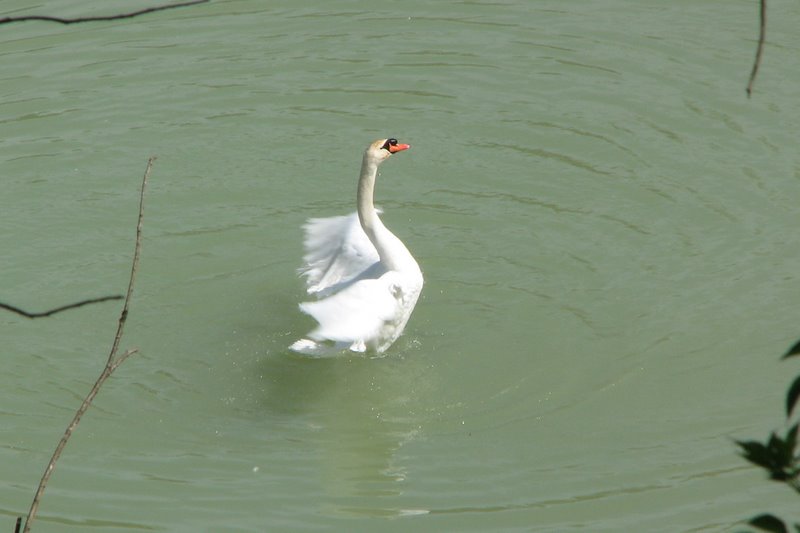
x: 381, y: 149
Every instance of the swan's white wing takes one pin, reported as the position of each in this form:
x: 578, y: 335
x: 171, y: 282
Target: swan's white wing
x: 337, y: 251
x: 355, y: 314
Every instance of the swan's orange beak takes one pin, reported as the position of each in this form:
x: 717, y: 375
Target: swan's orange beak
x: 398, y: 148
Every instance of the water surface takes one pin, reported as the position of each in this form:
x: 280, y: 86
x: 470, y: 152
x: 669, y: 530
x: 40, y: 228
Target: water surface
x: 606, y: 226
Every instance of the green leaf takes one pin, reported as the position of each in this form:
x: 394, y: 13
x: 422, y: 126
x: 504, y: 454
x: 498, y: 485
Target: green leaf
x: 781, y: 455
x: 768, y: 522
x: 756, y: 453
x: 791, y: 440
x: 776, y: 456
x: 794, y: 350
x: 792, y: 395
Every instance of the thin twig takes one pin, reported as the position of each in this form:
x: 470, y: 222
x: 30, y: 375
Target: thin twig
x: 111, y: 364
x: 121, y: 359
x: 19, y: 524
x: 27, y: 314
x: 76, y: 20
x: 760, y: 49
x: 123, y: 316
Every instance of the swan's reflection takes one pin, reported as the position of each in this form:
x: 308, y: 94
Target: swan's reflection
x: 360, y: 411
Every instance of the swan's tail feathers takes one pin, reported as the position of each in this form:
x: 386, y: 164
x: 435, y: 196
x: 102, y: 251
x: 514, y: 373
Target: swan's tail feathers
x: 313, y: 348
x: 352, y: 315
x: 351, y: 319
x: 322, y: 349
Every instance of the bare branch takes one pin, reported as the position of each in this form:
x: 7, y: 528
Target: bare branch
x: 27, y: 314
x: 760, y: 49
x: 111, y: 364
x: 123, y: 316
x: 76, y: 20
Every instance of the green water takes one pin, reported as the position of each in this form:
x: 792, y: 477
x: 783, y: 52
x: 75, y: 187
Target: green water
x: 607, y: 228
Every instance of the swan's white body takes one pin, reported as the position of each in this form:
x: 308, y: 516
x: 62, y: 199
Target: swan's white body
x: 365, y: 278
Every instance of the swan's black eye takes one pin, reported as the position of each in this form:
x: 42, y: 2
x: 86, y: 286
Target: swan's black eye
x: 388, y: 143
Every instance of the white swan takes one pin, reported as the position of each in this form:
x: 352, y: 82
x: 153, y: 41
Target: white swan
x: 365, y: 278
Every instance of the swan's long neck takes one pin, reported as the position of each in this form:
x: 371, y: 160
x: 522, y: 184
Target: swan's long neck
x: 391, y: 251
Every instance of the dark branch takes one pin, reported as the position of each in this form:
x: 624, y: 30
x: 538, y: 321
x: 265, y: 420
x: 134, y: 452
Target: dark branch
x: 26, y: 314
x: 121, y: 16
x: 761, y: 35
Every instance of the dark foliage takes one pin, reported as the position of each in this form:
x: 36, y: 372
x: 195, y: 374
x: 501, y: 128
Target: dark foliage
x: 779, y: 456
